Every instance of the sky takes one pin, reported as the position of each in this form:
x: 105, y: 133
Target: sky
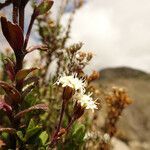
x: 116, y: 31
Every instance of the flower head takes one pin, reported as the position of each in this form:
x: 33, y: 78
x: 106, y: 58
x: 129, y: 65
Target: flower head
x: 85, y: 101
x: 106, y: 138
x: 73, y: 82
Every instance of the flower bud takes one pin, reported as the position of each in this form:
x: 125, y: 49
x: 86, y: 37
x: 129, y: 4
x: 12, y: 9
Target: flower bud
x: 78, y: 111
x: 95, y: 75
x: 44, y: 7
x: 81, y: 56
x: 89, y: 56
x: 67, y: 93
x: 61, y: 132
x: 75, y: 47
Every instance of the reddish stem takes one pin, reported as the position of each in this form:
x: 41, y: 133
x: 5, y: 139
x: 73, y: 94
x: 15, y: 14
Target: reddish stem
x: 29, y: 29
x: 54, y: 139
x: 70, y: 124
x: 21, y: 17
x: 15, y: 12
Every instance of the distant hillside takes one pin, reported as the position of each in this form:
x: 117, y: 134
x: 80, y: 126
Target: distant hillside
x: 122, y: 72
x: 135, y: 121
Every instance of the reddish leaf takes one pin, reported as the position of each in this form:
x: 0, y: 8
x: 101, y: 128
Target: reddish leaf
x: 22, y: 74
x: 5, y: 107
x: 13, y: 33
x: 8, y: 130
x: 36, y: 107
x: 9, y: 65
x: 29, y: 89
x: 28, y: 85
x: 30, y: 80
x: 11, y: 92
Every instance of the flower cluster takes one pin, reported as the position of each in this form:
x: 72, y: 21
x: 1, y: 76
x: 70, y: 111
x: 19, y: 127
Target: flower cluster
x: 73, y: 82
x: 117, y: 100
x: 85, y: 100
x: 83, y: 58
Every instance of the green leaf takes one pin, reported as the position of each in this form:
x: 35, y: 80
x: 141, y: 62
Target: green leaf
x: 43, y: 137
x: 78, y: 132
x: 4, y: 135
x: 30, y: 100
x: 31, y: 124
x: 32, y: 132
x: 32, y: 129
x: 44, y: 6
x: 20, y: 135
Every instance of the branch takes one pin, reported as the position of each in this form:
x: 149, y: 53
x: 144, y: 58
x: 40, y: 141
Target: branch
x: 35, y: 107
x: 37, y: 47
x: 29, y: 29
x: 8, y: 130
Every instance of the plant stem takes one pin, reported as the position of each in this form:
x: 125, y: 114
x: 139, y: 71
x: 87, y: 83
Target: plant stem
x: 19, y: 65
x: 15, y: 12
x: 70, y: 124
x: 21, y: 17
x: 54, y: 139
x: 29, y: 30
x: 19, y: 62
x: 14, y: 122
x: 61, y: 115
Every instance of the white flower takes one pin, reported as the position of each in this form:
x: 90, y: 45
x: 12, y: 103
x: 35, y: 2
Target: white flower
x: 106, y: 138
x: 85, y: 101
x: 73, y: 82
x: 91, y: 135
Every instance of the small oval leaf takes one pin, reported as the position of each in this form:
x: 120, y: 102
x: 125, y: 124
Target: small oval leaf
x: 9, y: 65
x: 11, y: 91
x: 44, y: 7
x: 13, y: 33
x: 5, y: 107
x: 22, y: 74
x: 35, y: 107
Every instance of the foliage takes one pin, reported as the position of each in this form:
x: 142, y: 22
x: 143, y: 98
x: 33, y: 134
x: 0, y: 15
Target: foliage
x: 38, y: 110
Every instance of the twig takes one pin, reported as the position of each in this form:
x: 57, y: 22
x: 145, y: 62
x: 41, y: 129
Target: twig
x: 21, y: 17
x: 54, y: 139
x: 29, y: 29
x: 15, y: 12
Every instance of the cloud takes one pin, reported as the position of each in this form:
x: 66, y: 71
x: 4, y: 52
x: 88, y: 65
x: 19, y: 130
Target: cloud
x: 118, y: 32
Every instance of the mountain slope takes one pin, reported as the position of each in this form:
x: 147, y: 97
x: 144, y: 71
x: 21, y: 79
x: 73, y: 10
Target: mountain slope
x: 135, y: 123
x: 122, y: 72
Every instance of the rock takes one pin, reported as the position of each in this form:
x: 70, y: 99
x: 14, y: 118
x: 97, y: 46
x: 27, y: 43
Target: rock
x: 135, y: 145
x: 119, y: 145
